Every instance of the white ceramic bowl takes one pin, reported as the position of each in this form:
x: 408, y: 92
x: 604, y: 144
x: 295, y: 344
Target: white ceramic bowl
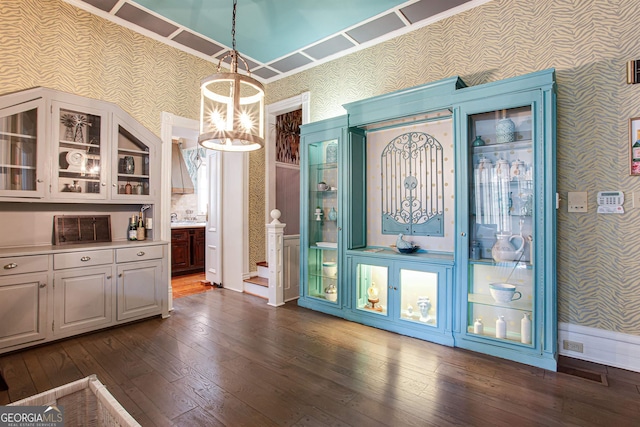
x: 504, y: 293
x: 330, y: 269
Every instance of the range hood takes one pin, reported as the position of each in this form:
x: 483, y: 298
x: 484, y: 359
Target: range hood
x: 181, y: 182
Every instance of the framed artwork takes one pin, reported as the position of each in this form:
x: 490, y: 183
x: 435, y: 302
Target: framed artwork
x: 634, y: 146
x: 288, y: 137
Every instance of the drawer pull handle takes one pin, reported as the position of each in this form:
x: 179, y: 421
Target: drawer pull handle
x: 108, y: 277
x: 43, y: 285
x: 85, y: 258
x: 140, y: 253
x: 120, y: 275
x: 10, y: 266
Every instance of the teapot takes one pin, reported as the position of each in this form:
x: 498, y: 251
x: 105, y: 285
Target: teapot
x: 503, y: 250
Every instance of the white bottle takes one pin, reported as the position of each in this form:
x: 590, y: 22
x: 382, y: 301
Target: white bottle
x: 501, y: 328
x: 478, y: 327
x: 525, y: 329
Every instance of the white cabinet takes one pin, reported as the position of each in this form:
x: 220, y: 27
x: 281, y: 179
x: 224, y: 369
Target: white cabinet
x: 92, y: 287
x: 90, y: 150
x: 138, y: 291
x: 23, y: 299
x: 64, y: 155
x: 83, y: 299
x: 140, y: 281
x: 23, y: 306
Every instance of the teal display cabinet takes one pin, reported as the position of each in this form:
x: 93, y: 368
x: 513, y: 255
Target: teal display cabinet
x: 506, y: 219
x: 321, y: 238
x: 467, y: 174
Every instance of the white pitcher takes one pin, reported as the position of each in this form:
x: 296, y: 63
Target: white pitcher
x: 503, y: 250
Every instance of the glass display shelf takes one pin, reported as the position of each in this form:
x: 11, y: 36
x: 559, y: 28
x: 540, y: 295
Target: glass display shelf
x: 484, y: 299
x: 323, y: 247
x: 510, y: 147
x: 513, y: 337
x: 322, y: 166
x: 501, y: 264
x: 132, y: 178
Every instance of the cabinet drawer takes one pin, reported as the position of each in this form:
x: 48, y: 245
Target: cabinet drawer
x: 139, y: 253
x: 181, y: 235
x: 23, y: 264
x: 82, y: 259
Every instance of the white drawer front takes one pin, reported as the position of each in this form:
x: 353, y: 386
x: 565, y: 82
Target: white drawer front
x: 139, y: 253
x: 82, y: 259
x: 23, y: 264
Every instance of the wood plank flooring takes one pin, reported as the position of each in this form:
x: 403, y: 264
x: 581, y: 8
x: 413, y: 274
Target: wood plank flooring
x: 189, y: 284
x: 228, y: 359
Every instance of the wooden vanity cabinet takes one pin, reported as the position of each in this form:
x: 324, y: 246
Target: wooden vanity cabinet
x: 187, y: 250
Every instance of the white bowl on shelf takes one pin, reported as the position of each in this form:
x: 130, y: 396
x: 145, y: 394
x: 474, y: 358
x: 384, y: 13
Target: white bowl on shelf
x: 330, y: 269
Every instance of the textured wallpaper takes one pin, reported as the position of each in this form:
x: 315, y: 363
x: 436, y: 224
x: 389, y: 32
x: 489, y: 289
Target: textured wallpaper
x: 56, y: 45
x: 53, y: 44
x: 588, y: 42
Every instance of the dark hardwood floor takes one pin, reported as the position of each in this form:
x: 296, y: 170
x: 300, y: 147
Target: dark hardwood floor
x: 228, y: 359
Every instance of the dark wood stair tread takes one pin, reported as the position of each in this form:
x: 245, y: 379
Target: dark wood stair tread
x: 256, y: 280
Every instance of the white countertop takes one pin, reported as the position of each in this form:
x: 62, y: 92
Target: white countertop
x: 77, y: 247
x: 188, y: 224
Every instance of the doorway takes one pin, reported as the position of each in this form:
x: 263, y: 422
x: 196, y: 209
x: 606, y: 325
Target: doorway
x: 206, y: 202
x: 279, y: 192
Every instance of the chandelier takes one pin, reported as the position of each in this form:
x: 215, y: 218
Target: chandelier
x: 231, y: 106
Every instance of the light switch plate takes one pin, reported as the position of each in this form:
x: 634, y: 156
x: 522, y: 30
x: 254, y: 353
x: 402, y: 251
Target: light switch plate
x: 577, y: 201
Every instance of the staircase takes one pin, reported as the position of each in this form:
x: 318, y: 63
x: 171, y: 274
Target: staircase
x: 258, y: 285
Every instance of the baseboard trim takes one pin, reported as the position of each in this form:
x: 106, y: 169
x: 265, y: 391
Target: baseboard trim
x: 600, y: 346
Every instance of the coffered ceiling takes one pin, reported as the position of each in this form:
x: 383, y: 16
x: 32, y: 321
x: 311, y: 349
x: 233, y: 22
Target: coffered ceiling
x: 277, y: 37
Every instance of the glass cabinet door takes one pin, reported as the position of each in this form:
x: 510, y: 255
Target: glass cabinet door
x: 21, y: 172
x: 403, y: 291
x: 419, y: 296
x: 501, y: 224
x: 80, y: 158
x: 372, y: 288
x: 322, y: 223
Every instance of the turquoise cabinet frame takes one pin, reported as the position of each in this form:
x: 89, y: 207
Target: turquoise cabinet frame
x: 535, y: 92
x: 312, y: 255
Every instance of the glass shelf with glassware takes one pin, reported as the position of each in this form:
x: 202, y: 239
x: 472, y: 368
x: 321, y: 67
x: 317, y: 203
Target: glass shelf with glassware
x: 321, y: 262
x: 19, y: 160
x: 322, y: 277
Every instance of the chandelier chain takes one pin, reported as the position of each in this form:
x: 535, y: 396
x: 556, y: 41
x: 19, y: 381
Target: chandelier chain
x: 233, y: 25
